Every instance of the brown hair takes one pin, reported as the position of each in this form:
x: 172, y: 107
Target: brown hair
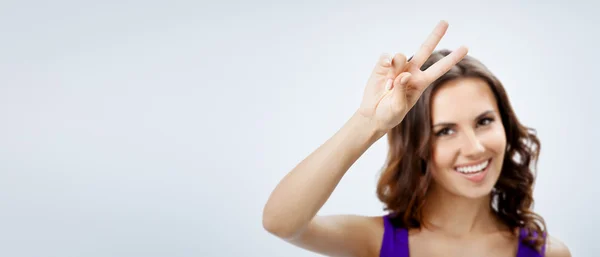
x: 404, y: 181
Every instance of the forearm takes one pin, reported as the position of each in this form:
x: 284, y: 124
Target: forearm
x: 305, y: 189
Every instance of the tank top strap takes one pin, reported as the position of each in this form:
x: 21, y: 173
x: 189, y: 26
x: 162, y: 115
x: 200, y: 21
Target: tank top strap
x: 525, y: 250
x: 395, y: 240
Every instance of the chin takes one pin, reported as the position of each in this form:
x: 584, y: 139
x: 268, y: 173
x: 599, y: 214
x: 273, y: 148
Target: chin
x: 476, y: 193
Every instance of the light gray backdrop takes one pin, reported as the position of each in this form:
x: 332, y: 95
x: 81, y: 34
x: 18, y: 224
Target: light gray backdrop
x: 147, y: 128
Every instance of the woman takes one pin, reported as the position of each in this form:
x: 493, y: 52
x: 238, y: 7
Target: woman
x: 457, y: 180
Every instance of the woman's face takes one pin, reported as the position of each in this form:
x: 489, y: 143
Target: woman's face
x: 468, y: 140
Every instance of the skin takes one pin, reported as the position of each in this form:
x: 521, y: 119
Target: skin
x: 458, y: 210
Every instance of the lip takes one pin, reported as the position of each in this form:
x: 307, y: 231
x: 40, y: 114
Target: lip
x: 477, y: 177
x: 472, y: 163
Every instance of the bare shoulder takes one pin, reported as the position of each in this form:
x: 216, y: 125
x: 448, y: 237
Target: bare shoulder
x: 556, y: 248
x: 342, y: 235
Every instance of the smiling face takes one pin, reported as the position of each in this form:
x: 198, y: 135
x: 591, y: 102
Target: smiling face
x: 468, y: 138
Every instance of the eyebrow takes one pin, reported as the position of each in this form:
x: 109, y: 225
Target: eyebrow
x: 452, y: 124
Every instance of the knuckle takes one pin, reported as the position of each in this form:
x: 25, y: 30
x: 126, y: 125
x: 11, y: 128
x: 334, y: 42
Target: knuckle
x: 381, y: 72
x: 400, y: 58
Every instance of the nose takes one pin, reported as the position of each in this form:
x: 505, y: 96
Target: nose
x: 472, y: 146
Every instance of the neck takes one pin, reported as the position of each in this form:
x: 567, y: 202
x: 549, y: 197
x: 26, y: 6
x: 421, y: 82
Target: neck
x: 457, y: 215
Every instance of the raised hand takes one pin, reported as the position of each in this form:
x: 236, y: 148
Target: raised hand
x: 395, y: 85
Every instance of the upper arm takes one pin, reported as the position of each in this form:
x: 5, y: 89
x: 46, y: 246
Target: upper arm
x: 342, y: 235
x: 556, y: 248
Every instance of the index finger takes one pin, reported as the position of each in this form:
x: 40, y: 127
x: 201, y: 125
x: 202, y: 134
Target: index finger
x: 430, y: 43
x: 445, y: 64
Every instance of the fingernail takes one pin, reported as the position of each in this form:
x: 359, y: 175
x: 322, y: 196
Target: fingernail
x: 388, y: 84
x: 387, y: 61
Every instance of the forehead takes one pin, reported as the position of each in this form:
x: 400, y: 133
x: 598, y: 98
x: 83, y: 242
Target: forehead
x: 461, y: 99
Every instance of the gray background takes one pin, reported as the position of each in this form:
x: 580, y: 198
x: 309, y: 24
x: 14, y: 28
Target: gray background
x: 146, y: 128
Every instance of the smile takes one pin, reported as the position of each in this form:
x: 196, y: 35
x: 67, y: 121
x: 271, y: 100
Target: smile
x: 472, y: 169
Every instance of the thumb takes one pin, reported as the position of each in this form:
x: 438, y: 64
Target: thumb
x: 400, y: 82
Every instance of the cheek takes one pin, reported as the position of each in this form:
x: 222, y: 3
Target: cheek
x: 442, y: 161
x: 443, y: 156
x: 495, y: 140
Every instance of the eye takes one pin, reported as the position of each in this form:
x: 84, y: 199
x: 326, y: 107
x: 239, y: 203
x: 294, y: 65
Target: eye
x: 485, y: 121
x: 444, y: 132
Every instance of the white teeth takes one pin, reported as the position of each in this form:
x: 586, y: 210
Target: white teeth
x: 474, y: 168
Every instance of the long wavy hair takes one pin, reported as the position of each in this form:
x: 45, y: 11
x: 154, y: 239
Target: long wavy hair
x: 405, y: 178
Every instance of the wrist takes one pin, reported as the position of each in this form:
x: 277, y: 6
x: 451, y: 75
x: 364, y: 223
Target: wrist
x: 366, y: 127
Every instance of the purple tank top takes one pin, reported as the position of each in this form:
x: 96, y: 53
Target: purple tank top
x: 395, y: 242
